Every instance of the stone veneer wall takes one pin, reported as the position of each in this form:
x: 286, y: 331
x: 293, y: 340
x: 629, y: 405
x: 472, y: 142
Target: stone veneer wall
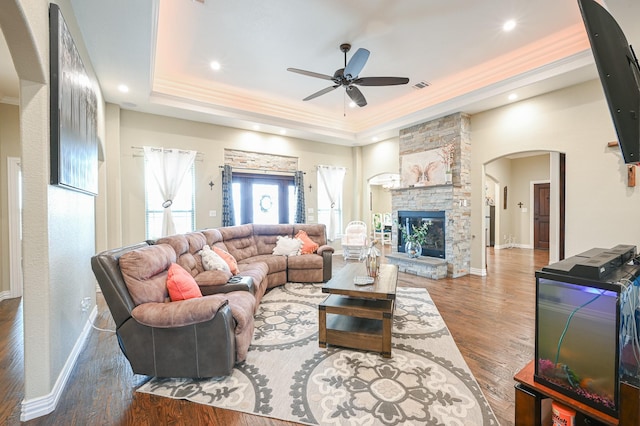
x: 454, y: 199
x: 260, y: 161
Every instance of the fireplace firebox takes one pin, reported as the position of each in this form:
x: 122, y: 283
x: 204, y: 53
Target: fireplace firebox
x: 435, y: 244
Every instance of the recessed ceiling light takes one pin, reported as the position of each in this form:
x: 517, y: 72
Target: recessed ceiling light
x: 375, y: 139
x: 123, y: 88
x: 256, y: 127
x: 509, y: 25
x: 283, y: 132
x: 513, y: 97
x: 352, y: 104
x: 215, y: 65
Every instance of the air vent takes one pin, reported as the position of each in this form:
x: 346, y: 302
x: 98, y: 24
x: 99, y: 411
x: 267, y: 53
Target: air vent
x: 421, y: 85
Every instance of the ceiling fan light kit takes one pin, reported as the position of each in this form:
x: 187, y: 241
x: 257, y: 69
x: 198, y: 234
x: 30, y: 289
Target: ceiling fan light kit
x: 349, y: 78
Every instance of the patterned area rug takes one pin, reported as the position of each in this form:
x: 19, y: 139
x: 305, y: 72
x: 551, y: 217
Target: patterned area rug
x: 287, y: 376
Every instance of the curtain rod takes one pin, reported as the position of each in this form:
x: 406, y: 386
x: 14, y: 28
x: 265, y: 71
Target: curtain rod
x: 261, y: 170
x: 159, y: 147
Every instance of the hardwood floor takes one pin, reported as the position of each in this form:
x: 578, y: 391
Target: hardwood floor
x: 491, y: 319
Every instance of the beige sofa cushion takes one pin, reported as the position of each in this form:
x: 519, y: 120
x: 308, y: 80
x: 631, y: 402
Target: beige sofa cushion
x: 315, y: 231
x: 187, y: 247
x: 239, y: 241
x: 266, y: 236
x: 145, y: 272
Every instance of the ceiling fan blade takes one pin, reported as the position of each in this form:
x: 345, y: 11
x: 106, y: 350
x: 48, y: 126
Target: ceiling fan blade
x: 321, y: 92
x: 356, y: 96
x: 310, y: 73
x: 356, y: 63
x: 380, y: 81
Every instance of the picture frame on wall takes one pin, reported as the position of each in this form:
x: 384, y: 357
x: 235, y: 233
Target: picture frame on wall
x: 427, y: 168
x: 73, y: 112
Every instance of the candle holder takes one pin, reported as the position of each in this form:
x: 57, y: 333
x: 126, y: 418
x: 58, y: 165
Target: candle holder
x: 372, y: 260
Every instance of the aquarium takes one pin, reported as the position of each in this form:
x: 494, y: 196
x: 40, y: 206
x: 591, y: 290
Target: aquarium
x: 588, y: 325
x: 577, y: 339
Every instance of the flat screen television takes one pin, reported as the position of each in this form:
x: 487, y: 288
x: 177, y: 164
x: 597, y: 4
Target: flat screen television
x: 619, y: 74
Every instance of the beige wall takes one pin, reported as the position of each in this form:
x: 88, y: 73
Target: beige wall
x: 9, y: 147
x: 138, y: 129
x: 377, y: 158
x: 601, y: 211
x: 524, y: 171
x: 517, y: 175
x: 58, y: 225
x: 381, y: 199
x: 500, y: 172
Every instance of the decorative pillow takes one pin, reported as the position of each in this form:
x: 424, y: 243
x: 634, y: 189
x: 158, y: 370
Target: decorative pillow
x: 308, y: 245
x: 211, y: 261
x: 181, y: 284
x: 227, y: 257
x: 286, y: 246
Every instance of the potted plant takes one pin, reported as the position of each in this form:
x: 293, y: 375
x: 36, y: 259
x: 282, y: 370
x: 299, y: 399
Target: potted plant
x: 414, y: 238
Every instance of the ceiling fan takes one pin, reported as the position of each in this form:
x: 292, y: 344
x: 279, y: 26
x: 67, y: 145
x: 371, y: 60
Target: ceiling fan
x: 349, y: 77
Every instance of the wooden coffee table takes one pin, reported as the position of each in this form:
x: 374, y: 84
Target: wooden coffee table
x: 355, y: 316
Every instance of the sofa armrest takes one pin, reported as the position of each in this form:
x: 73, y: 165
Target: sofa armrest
x: 325, y: 248
x: 212, y: 278
x: 327, y: 263
x: 179, y: 313
x: 235, y: 283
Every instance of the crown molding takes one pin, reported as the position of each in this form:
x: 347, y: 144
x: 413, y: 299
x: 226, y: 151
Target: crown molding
x: 10, y: 100
x: 549, y: 56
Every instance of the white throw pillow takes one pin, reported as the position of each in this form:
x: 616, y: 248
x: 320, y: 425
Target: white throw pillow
x: 286, y: 246
x: 212, y: 261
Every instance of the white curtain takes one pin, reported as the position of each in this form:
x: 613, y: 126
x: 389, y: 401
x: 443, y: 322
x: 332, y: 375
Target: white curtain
x: 331, y: 178
x: 168, y: 167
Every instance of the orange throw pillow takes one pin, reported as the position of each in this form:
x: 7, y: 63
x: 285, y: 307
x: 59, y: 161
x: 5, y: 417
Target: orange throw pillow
x: 227, y: 257
x: 308, y: 245
x: 181, y: 284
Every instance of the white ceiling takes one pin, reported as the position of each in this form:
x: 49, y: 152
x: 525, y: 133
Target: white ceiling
x: 161, y: 49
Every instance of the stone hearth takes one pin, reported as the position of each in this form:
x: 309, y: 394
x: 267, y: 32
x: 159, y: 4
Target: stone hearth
x: 429, y: 267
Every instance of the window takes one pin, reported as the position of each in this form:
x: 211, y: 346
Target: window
x: 330, y: 182
x: 182, y: 209
x: 264, y: 199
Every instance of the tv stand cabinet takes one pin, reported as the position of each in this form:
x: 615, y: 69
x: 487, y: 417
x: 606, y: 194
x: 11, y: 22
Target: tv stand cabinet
x: 530, y: 394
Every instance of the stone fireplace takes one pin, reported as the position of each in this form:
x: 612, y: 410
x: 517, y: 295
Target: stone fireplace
x: 452, y: 199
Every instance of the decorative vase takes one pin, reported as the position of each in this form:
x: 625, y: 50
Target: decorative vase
x: 372, y: 261
x: 413, y: 249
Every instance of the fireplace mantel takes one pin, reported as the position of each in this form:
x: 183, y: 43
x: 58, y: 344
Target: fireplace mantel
x: 408, y: 188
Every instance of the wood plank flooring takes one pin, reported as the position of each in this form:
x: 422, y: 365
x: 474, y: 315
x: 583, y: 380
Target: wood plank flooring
x: 491, y: 319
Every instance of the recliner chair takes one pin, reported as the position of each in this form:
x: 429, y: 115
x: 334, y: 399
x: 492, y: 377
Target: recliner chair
x: 189, y: 338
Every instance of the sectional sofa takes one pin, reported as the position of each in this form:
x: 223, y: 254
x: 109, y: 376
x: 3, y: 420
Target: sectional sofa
x: 204, y: 336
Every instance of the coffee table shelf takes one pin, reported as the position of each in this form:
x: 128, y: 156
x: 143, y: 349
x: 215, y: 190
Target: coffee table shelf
x: 362, y: 317
x: 358, y: 333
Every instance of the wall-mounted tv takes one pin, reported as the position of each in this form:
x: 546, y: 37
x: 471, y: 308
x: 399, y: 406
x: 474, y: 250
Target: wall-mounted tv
x: 619, y: 74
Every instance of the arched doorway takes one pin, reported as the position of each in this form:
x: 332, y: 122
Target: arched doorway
x: 521, y: 217
x: 380, y: 206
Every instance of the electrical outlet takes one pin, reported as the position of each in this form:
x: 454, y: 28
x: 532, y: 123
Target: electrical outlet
x: 213, y: 213
x: 85, y: 304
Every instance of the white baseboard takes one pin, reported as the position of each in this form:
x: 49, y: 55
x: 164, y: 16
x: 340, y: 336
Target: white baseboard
x: 478, y: 271
x: 514, y: 245
x: 5, y: 295
x: 44, y: 405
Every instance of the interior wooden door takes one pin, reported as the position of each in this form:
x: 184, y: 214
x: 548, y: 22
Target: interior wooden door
x: 541, y: 216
